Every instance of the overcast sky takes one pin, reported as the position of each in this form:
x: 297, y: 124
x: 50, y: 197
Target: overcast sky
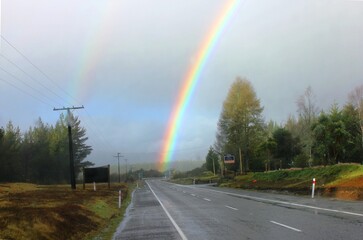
x: 126, y: 60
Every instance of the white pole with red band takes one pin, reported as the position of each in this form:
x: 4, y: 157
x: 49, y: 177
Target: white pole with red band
x: 313, y: 189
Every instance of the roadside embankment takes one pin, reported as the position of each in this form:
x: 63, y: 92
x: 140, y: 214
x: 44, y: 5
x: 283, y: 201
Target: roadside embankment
x: 343, y: 181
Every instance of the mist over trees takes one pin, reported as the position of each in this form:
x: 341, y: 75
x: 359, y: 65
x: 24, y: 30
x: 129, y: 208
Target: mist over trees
x: 314, y: 137
x: 41, y: 154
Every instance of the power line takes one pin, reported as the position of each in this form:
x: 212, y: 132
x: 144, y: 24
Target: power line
x: 28, y: 85
x: 40, y: 100
x: 34, y: 79
x: 98, y: 134
x: 43, y: 73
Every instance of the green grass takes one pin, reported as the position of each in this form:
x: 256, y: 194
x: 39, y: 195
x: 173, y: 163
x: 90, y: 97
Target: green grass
x: 352, y: 172
x: 111, y: 213
x: 296, y: 179
x: 328, y: 179
x: 205, y: 177
x: 324, y: 174
x: 101, y: 208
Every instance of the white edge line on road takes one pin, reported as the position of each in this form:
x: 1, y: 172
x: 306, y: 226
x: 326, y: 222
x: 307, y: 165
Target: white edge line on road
x: 283, y: 225
x: 280, y: 202
x: 169, y: 216
x: 207, y: 199
x: 231, y: 207
x: 285, y: 203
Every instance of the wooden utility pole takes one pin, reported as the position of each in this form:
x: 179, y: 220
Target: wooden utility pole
x: 71, y: 158
x: 118, y: 166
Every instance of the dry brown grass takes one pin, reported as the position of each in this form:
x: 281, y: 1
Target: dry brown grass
x: 29, y: 211
x: 349, y: 189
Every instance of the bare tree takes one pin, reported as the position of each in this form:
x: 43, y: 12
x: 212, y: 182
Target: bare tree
x: 356, y: 99
x: 308, y: 112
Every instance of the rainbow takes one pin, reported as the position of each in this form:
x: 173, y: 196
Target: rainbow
x: 90, y: 55
x: 190, y: 82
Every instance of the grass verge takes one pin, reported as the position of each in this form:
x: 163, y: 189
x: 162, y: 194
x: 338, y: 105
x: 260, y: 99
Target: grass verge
x: 344, y: 181
x: 30, y: 211
x: 114, y: 220
x: 205, y: 177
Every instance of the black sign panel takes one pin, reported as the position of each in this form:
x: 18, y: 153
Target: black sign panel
x: 99, y: 174
x: 228, y: 158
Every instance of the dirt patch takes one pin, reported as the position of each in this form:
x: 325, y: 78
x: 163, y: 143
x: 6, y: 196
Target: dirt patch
x: 354, y: 182
x: 54, y: 212
x: 350, y: 189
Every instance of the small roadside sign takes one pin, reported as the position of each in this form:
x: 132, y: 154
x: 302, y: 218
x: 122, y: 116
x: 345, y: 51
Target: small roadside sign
x: 229, y: 159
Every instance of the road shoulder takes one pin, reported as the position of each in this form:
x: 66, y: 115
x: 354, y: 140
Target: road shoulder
x: 146, y: 219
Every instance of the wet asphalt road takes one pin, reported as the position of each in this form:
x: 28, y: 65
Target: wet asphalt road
x: 204, y: 212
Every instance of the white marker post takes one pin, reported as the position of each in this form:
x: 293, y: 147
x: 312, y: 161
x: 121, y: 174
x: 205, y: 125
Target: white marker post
x: 313, y: 189
x: 119, y: 199
x: 94, y: 186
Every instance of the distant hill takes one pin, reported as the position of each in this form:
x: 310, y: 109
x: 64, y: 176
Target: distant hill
x: 181, y: 166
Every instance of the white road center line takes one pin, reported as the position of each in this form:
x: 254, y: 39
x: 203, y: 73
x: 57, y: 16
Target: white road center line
x: 231, y: 207
x: 285, y: 226
x: 169, y: 216
x: 207, y: 199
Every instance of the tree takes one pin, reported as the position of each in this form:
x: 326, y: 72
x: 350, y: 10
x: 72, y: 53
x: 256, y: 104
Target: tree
x: 2, y: 153
x: 330, y: 137
x: 286, y: 148
x: 81, y: 149
x: 59, y: 150
x: 2, y: 150
x: 11, y: 169
x: 41, y: 155
x: 356, y: 99
x: 271, y: 128
x: 307, y: 116
x: 240, y: 125
x: 293, y: 126
x: 42, y: 163
x: 27, y: 154
x: 268, y: 148
x: 353, y: 146
x: 212, y: 161
x: 60, y: 144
